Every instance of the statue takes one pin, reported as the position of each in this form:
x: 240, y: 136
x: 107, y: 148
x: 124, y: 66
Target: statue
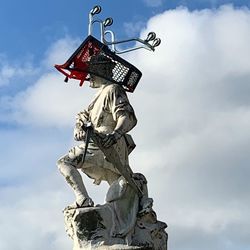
x: 111, y: 115
x: 127, y: 219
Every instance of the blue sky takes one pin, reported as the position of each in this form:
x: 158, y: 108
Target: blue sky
x: 29, y: 27
x: 192, y: 106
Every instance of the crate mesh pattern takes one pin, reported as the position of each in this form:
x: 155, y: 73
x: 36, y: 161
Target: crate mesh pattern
x: 77, y: 66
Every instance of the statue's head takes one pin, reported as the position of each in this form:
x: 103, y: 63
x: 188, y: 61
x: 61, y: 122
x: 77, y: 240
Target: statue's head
x: 100, y: 69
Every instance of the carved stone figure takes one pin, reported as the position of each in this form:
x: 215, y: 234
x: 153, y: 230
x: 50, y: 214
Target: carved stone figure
x: 127, y: 219
x: 112, y: 116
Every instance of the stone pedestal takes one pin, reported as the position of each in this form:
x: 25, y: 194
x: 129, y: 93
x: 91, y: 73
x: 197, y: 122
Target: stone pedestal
x: 124, y: 222
x: 91, y: 228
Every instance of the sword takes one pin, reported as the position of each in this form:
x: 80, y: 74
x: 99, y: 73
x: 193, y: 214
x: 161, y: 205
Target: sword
x: 88, y: 130
x: 111, y: 155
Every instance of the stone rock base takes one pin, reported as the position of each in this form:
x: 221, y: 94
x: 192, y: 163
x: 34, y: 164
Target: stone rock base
x: 92, y: 228
x: 125, y: 221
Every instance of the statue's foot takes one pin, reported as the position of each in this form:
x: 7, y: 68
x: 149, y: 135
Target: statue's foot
x: 87, y: 202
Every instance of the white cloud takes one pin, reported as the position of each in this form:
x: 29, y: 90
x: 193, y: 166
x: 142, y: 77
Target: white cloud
x: 48, y: 102
x: 132, y: 28
x: 10, y: 73
x: 193, y: 131
x: 60, y: 51
x: 193, y: 124
x: 32, y: 192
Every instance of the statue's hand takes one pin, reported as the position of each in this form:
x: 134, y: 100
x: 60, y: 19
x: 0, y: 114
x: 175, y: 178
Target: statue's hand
x: 110, y: 139
x: 79, y: 134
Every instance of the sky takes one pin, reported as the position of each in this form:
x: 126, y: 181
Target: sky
x: 192, y: 105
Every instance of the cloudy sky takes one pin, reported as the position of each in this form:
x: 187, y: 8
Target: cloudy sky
x: 192, y: 104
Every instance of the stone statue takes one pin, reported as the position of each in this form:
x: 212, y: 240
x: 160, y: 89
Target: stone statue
x: 111, y: 115
x: 127, y: 219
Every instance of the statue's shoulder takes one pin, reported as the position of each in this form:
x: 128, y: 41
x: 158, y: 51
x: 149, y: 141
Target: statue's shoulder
x: 114, y: 88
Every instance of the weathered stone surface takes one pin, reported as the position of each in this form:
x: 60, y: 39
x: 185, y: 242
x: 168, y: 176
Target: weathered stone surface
x: 127, y: 219
x: 124, y: 222
x: 90, y: 228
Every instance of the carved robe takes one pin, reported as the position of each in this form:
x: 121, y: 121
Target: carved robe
x: 110, y: 103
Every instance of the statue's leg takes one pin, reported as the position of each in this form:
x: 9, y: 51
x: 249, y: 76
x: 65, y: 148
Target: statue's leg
x: 98, y: 168
x: 68, y: 165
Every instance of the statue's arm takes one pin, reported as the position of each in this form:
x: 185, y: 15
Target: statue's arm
x: 81, y: 118
x: 123, y: 114
x: 125, y: 122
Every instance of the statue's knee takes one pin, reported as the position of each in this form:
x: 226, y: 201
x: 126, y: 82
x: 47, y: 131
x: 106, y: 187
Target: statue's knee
x: 59, y: 163
x: 66, y: 169
x: 62, y: 166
